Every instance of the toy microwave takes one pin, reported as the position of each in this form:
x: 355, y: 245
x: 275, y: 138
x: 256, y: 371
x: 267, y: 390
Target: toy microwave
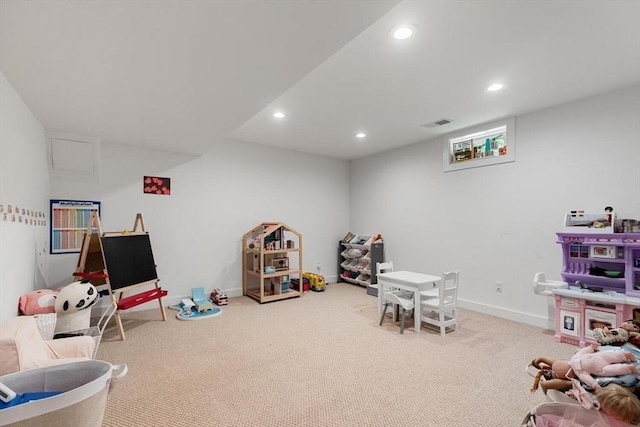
x: 603, y: 252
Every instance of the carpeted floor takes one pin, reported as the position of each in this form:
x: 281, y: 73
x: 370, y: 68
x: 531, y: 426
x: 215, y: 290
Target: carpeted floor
x: 321, y: 360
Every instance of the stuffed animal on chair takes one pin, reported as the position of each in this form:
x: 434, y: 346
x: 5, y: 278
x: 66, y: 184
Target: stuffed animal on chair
x: 38, y: 302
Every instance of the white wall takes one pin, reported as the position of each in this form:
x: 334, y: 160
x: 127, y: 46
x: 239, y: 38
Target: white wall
x: 498, y: 223
x: 196, y: 232
x: 24, y: 182
x: 494, y: 223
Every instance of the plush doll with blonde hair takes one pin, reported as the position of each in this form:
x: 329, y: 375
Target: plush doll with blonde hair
x: 619, y: 403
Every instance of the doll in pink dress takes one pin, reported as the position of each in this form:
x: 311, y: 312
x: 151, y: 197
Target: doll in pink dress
x: 583, y: 364
x: 587, y: 362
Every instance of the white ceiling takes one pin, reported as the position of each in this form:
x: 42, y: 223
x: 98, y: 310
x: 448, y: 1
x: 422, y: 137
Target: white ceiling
x: 172, y: 75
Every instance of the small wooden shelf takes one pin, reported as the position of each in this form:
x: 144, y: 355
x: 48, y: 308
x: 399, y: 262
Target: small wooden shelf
x: 267, y: 297
x: 276, y: 245
x: 276, y: 274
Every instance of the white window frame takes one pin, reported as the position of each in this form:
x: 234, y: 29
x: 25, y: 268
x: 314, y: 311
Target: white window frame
x: 468, y: 134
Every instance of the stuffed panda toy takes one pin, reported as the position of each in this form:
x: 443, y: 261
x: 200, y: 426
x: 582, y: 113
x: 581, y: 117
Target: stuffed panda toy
x: 76, y: 296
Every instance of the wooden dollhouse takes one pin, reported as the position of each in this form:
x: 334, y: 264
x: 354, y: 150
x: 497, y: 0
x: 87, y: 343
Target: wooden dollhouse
x: 272, y: 256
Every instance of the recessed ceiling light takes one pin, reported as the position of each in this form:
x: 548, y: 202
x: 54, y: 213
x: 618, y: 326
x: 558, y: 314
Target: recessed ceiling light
x: 403, y: 32
x: 494, y: 87
x: 278, y: 115
x: 360, y: 135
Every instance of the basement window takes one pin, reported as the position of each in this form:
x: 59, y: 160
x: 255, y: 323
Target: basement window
x: 482, y: 145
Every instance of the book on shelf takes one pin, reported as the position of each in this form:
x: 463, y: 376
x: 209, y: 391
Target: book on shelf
x: 348, y: 237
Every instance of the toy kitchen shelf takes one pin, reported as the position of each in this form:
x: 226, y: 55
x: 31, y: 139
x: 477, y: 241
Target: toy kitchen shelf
x: 609, y: 264
x: 272, y: 256
x: 610, y: 261
x: 357, y: 258
x: 579, y: 311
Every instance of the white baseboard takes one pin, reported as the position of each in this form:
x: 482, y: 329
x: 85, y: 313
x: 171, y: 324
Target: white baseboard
x: 330, y: 279
x: 516, y: 316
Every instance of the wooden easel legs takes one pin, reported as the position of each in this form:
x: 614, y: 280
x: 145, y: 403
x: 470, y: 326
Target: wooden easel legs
x: 137, y: 299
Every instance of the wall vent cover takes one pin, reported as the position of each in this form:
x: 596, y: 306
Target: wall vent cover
x: 440, y: 122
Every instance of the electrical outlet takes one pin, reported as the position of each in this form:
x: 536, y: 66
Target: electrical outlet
x: 498, y: 286
x: 318, y: 266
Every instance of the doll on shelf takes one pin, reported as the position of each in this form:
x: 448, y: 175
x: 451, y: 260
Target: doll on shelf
x: 585, y: 363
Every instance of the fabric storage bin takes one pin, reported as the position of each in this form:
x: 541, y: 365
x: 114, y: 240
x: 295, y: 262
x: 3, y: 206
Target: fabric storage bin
x: 84, y: 386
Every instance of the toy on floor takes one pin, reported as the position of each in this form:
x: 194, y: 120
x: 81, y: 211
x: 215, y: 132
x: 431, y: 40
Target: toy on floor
x: 186, y: 311
x: 201, y: 302
x: 187, y: 304
x: 316, y: 281
x: 295, y: 284
x: 219, y: 297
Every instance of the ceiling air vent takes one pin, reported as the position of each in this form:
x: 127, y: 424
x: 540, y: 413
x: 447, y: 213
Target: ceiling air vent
x: 440, y: 122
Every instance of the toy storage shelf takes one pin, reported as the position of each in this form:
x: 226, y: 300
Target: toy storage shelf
x: 357, y: 258
x: 272, y: 256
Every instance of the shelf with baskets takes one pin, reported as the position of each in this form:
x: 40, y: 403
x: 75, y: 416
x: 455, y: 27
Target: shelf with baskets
x: 272, y: 256
x: 357, y: 258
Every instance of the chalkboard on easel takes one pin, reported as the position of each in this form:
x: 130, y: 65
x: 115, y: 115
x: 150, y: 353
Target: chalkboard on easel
x: 129, y: 260
x: 122, y: 261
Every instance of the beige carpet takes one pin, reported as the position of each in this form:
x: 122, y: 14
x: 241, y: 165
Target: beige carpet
x: 321, y: 360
